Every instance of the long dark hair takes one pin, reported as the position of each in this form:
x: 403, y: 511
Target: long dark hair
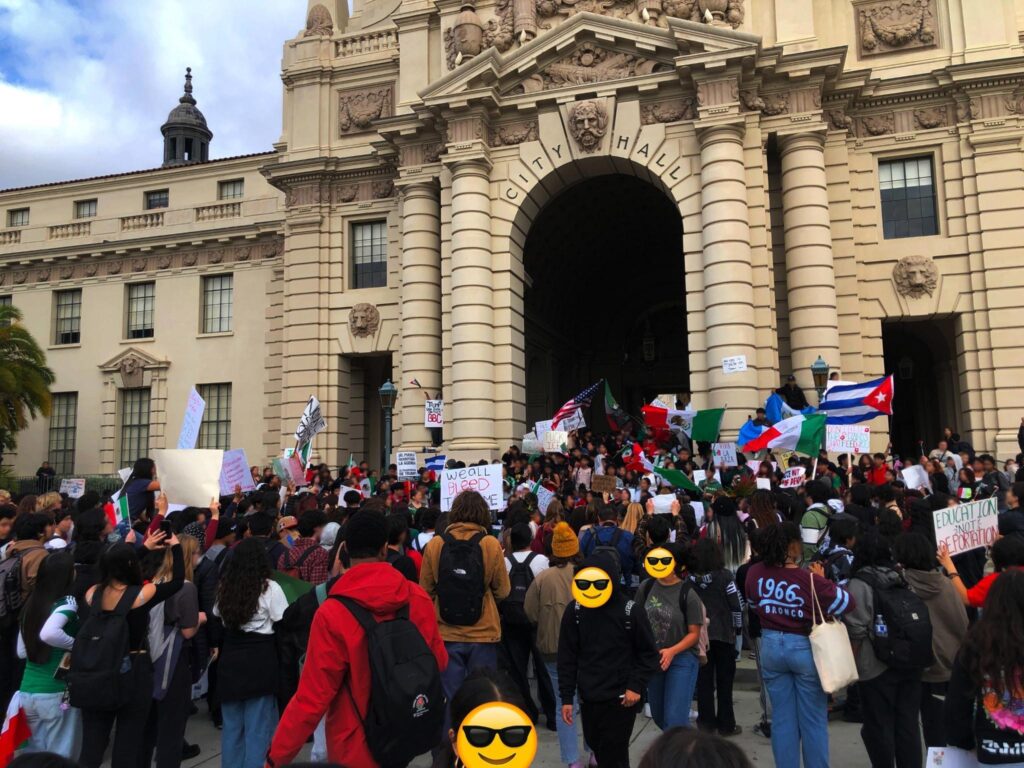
x: 56, y: 575
x: 143, y: 468
x: 774, y: 542
x: 119, y: 563
x: 762, y: 508
x: 245, y: 578
x: 994, y: 654
x: 727, y: 531
x: 481, y: 687
x: 688, y: 748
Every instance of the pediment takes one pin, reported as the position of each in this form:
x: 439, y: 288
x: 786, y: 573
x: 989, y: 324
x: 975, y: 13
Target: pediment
x: 131, y: 359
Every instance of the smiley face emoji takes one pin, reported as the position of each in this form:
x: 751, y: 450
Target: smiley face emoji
x: 591, y: 587
x: 496, y: 735
x: 659, y: 563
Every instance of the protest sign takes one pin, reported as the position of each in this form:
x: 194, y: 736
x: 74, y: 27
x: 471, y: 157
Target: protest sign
x: 234, y: 470
x: 734, y: 364
x: 698, y: 511
x: 296, y: 470
x: 406, y: 462
x: 575, y: 421
x: 847, y: 438
x: 74, y: 488
x: 531, y: 445
x: 764, y: 483
x: 485, y: 480
x: 433, y: 414
x: 189, y: 477
x: 194, y: 409
x: 967, y: 526
x: 541, y: 428
x: 950, y: 757
x: 312, y: 422
x: 280, y: 467
x: 554, y: 440
x: 699, y: 476
x: 784, y: 457
x: 916, y: 477
x: 544, y: 497
x: 124, y: 474
x: 602, y: 483
x: 793, y: 478
x: 724, y: 453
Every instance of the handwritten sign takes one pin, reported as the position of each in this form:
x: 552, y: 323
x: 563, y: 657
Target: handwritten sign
x: 554, y: 440
x: 73, y: 488
x: 312, y: 422
x: 296, y: 471
x: 544, y: 498
x: 724, y: 453
x: 575, y: 421
x: 734, y: 364
x: 194, y: 409
x: 189, y: 477
x: 531, y: 445
x: 485, y: 480
x: 793, y: 478
x: 406, y: 462
x: 967, y: 526
x: 847, y: 438
x: 602, y: 483
x: 234, y: 470
x: 433, y: 414
x: 541, y: 428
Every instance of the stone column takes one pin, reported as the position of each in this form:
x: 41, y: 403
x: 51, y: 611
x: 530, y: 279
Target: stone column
x: 728, y: 275
x: 421, y: 305
x: 810, y: 272
x: 472, y: 313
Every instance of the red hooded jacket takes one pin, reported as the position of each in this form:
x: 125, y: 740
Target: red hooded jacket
x: 336, y: 659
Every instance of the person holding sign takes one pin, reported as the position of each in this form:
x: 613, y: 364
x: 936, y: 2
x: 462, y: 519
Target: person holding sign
x: 1006, y: 553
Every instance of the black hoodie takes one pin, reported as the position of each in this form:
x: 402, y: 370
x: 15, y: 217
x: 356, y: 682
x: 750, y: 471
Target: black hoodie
x: 605, y: 651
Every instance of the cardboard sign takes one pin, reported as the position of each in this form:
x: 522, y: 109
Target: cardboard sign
x: 544, y: 498
x: 784, y: 457
x: 916, y: 477
x: 724, y: 454
x: 433, y: 414
x: 406, y: 461
x: 541, y: 428
x: 485, y: 480
x: 847, y: 438
x: 312, y: 422
x: 793, y: 478
x: 734, y: 364
x: 554, y: 440
x: 967, y: 526
x: 531, y: 445
x: 764, y: 483
x: 234, y: 470
x: 194, y: 409
x: 576, y: 421
x: 602, y: 483
x: 74, y: 488
x: 189, y: 477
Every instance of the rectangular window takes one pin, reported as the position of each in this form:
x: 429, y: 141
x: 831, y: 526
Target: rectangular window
x: 6, y: 301
x: 908, y: 197
x: 370, y: 254
x: 215, y: 431
x: 218, y: 298
x: 68, y: 326
x: 134, y: 425
x: 141, y: 300
x: 17, y: 217
x: 63, y: 420
x: 85, y: 209
x: 229, y: 190
x: 159, y: 198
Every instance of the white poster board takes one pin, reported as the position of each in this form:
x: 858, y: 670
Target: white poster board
x: 189, y: 477
x: 406, y: 462
x: 541, y: 428
x: 967, y: 526
x: 485, y: 480
x: 554, y: 440
x: 194, y: 409
x: 74, y: 488
x: 575, y: 421
x: 234, y: 470
x: 724, y: 454
x: 433, y: 414
x: 544, y: 497
x: 699, y: 476
x: 916, y: 477
x: 793, y: 478
x: 951, y: 757
x: 531, y: 445
x: 698, y: 511
x: 734, y: 364
x: 847, y: 438
x: 763, y: 483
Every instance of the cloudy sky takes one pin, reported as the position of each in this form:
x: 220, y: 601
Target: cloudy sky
x: 86, y: 84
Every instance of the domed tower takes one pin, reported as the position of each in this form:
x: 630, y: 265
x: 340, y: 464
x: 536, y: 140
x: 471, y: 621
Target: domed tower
x: 186, y: 136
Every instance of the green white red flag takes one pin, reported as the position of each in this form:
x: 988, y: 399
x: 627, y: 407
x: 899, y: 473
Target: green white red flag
x: 804, y: 434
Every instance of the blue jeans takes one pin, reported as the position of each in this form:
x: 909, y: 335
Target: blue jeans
x: 464, y: 658
x: 799, y: 705
x: 248, y: 729
x: 671, y: 692
x: 568, y: 735
x: 53, y: 729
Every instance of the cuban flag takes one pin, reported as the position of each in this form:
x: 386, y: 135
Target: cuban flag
x: 436, y: 463
x: 854, y: 403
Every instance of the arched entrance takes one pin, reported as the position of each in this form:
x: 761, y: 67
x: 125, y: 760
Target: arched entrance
x: 605, y: 295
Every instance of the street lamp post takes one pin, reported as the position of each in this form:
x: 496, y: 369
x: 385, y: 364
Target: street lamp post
x: 819, y: 371
x: 388, y: 393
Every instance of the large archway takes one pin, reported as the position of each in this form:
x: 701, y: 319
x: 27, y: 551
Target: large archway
x: 605, y: 295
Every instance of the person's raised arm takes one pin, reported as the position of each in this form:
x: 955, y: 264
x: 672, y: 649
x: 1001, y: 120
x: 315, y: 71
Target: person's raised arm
x: 958, y: 583
x: 212, y: 525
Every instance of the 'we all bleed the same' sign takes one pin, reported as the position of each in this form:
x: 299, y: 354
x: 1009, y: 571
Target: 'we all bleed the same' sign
x: 485, y: 480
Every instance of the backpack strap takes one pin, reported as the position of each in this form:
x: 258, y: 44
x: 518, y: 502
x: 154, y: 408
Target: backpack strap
x: 529, y: 559
x: 477, y: 537
x: 302, y: 558
x: 615, y: 537
x: 124, y: 604
x: 644, y: 591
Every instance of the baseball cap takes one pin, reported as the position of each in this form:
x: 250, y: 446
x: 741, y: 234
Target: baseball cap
x: 288, y: 521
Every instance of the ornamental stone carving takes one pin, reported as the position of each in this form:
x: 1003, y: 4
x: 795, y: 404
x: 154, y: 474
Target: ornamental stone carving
x: 930, y: 117
x: 896, y: 25
x: 131, y: 371
x: 589, y: 64
x: 669, y: 112
x: 216, y: 256
x: 775, y: 104
x: 20, y: 277
x: 190, y: 259
x: 91, y: 268
x: 968, y: 110
x: 67, y: 271
x: 345, y: 193
x: 383, y: 189
x: 915, y: 276
x: 588, y: 123
x: 516, y: 133
x: 839, y: 120
x: 363, y: 320
x: 878, y: 125
x: 114, y: 267
x: 138, y: 265
x: 751, y: 101
x: 43, y: 275
x: 319, y: 22
x: 358, y: 109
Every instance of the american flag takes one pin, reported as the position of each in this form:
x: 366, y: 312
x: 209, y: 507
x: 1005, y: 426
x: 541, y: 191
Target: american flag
x: 582, y: 400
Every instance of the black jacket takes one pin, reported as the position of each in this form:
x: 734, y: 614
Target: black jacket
x: 968, y: 727
x: 605, y: 651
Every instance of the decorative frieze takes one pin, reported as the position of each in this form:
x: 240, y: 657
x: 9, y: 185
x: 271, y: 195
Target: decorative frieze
x: 885, y: 26
x: 877, y: 125
x: 513, y: 133
x: 931, y: 117
x: 669, y: 111
x: 590, y: 64
x: 358, y: 108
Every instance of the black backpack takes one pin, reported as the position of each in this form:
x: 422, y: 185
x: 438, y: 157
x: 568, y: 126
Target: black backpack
x: 611, y: 549
x: 407, y: 703
x: 460, y: 580
x: 11, y: 596
x: 520, y: 577
x: 907, y: 642
x: 101, y: 677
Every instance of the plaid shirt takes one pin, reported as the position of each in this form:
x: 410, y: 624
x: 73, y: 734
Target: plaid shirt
x: 315, y: 568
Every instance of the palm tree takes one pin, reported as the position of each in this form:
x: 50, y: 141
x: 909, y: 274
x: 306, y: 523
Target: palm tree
x: 25, y: 378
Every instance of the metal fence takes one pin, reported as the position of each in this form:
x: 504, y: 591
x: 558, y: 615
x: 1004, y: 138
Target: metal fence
x: 20, y: 485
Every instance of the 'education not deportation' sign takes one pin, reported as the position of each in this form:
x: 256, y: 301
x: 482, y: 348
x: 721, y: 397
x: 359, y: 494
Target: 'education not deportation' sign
x: 967, y: 526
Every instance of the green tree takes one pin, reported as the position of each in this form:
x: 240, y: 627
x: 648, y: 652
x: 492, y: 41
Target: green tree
x: 25, y: 378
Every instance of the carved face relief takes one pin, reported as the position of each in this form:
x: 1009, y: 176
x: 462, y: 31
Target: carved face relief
x: 915, y: 276
x: 363, y: 320
x: 588, y: 123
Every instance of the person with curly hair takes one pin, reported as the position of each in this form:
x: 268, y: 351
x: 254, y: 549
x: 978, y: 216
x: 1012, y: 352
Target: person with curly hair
x: 249, y: 602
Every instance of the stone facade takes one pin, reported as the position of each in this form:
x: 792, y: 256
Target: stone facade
x: 764, y: 122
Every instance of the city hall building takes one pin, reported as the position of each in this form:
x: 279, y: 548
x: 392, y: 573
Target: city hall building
x: 505, y: 201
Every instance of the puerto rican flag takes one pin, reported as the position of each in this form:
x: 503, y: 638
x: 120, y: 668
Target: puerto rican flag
x: 854, y: 403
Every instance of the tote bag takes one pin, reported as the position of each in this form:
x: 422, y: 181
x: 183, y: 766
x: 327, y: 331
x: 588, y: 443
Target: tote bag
x: 830, y: 647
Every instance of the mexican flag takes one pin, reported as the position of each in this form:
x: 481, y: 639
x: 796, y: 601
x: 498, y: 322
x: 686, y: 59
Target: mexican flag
x: 617, y: 418
x: 638, y: 462
x: 677, y: 479
x: 702, y: 426
x: 16, y: 730
x: 804, y: 434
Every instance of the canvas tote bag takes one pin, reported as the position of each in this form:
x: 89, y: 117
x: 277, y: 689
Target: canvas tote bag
x: 830, y: 647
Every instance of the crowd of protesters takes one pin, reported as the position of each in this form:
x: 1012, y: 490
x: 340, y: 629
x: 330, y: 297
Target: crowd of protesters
x: 268, y: 599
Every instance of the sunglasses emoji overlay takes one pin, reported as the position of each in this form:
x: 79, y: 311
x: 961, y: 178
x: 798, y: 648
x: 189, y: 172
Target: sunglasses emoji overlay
x: 496, y: 735
x: 592, y: 587
x: 659, y: 563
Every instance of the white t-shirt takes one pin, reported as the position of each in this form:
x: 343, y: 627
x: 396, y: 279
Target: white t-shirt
x: 538, y: 565
x: 270, y: 608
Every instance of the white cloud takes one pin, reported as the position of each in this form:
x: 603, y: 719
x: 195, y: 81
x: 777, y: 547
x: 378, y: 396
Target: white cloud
x: 86, y: 84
